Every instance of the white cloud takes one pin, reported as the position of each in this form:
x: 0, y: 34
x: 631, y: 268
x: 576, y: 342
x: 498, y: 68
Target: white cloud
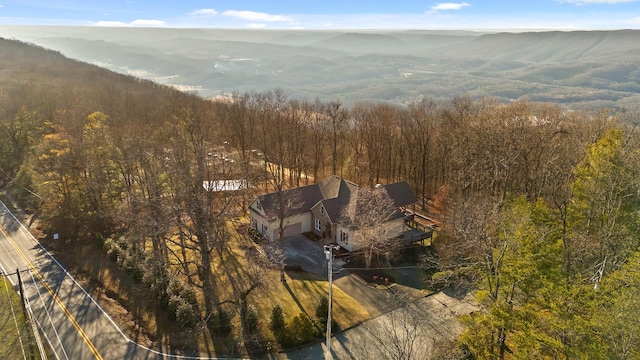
x: 256, y: 16
x: 139, y: 22
x: 256, y: 26
x: 110, y: 24
x: 588, y: 2
x: 204, y: 12
x: 449, y: 6
x: 145, y: 22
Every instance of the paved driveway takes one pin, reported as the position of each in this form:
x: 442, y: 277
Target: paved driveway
x: 435, y: 318
x: 309, y: 255
x: 376, y: 301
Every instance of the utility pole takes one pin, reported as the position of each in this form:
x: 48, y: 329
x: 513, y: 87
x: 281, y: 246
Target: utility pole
x: 24, y: 309
x: 328, y: 250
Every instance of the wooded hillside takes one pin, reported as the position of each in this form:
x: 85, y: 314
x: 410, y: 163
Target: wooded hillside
x: 581, y: 69
x: 537, y: 205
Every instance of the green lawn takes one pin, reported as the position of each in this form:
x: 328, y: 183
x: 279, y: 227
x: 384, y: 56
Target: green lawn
x: 17, y: 338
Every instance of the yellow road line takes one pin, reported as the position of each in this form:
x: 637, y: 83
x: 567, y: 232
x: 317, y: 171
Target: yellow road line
x: 55, y: 297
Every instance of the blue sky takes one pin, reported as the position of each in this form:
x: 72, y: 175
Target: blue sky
x: 328, y: 14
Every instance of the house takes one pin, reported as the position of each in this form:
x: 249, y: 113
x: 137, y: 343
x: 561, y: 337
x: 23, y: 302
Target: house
x: 319, y: 208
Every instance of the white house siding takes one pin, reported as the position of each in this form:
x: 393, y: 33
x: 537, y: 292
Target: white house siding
x: 304, y: 219
x: 260, y: 224
x: 389, y: 230
x: 273, y: 228
x: 347, y: 245
x: 258, y: 218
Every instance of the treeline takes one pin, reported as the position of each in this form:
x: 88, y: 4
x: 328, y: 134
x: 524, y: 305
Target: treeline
x: 471, y: 145
x: 536, y: 203
x: 538, y: 207
x: 557, y: 277
x: 117, y: 162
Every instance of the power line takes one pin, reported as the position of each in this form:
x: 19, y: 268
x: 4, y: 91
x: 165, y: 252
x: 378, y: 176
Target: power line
x: 24, y: 187
x: 15, y: 321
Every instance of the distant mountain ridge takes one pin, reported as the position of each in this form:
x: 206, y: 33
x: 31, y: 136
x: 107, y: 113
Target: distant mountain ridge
x: 557, y: 46
x: 582, y: 69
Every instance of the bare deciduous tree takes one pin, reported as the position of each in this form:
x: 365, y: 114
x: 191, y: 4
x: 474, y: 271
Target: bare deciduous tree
x: 406, y: 333
x: 367, y: 215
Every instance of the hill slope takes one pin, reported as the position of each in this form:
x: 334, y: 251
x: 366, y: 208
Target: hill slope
x: 583, y: 69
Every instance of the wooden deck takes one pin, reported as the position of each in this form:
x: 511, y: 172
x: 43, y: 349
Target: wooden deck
x: 420, y: 219
x: 421, y: 228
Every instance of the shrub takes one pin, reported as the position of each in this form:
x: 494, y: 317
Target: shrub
x: 461, y: 277
x: 300, y: 330
x: 182, y: 304
x: 113, y: 248
x: 277, y: 322
x: 185, y: 313
x: 128, y: 257
x: 322, y: 309
x: 440, y: 280
x: 221, y: 323
x: 156, y: 278
x: 251, y: 319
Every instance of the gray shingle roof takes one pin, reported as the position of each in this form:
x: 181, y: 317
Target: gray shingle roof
x: 401, y: 193
x: 335, y: 193
x: 298, y: 200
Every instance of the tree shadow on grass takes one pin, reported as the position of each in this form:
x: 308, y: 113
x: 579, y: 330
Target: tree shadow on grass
x: 173, y: 340
x: 295, y: 298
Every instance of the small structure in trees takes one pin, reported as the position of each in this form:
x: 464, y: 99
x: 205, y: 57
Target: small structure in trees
x: 225, y: 185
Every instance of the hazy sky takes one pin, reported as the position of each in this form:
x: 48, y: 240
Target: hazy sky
x: 328, y: 14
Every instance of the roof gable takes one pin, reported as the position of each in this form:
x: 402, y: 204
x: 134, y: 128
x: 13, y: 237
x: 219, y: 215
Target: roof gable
x: 401, y: 194
x: 333, y: 208
x: 334, y: 193
x: 296, y: 200
x: 337, y: 187
x: 330, y: 186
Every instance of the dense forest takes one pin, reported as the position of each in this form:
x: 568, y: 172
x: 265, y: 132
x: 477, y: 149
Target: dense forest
x: 537, y: 205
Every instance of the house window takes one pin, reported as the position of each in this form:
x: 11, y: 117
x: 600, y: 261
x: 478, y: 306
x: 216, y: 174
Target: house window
x: 344, y: 237
x: 259, y: 206
x: 318, y: 224
x: 321, y: 209
x: 254, y: 224
x: 265, y: 230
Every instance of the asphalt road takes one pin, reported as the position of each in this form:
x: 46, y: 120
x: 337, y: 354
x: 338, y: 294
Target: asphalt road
x: 74, y: 325
x: 435, y: 321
